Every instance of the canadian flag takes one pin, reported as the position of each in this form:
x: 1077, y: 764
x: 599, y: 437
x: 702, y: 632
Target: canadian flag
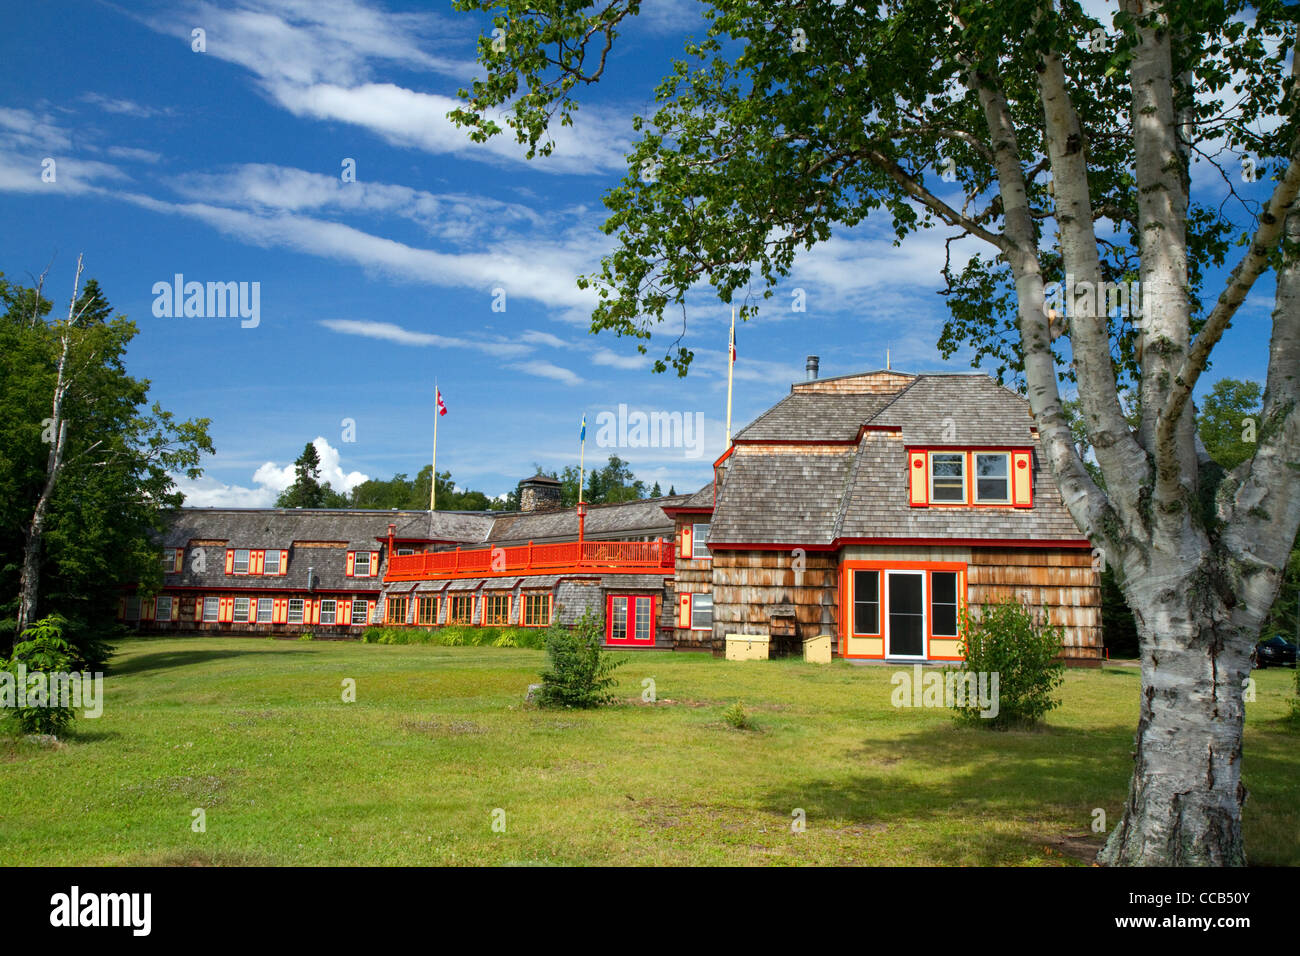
x: 442, y: 406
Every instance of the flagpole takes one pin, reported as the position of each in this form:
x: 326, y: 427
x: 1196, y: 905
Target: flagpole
x: 582, y: 459
x: 433, y: 482
x: 731, y: 361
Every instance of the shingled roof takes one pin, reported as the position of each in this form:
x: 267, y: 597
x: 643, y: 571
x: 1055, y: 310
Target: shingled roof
x: 811, y: 495
x: 643, y: 518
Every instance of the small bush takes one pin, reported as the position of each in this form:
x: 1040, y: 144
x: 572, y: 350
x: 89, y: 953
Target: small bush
x: 580, y: 674
x: 42, y: 650
x: 738, y: 717
x: 1008, y: 641
x: 306, y: 636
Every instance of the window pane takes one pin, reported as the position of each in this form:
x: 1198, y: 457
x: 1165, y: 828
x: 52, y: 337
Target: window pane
x: 943, y: 603
x: 295, y: 610
x: 263, y: 610
x: 241, y: 561
x: 618, y: 619
x: 241, y: 609
x: 210, y: 609
x: 866, y: 602
x: 361, y: 566
x: 359, y: 611
x: 163, y: 609
x: 699, y: 535
x: 991, y: 482
x: 271, y: 563
x: 701, y: 611
x: 948, y: 477
x: 643, y: 619
x: 327, y: 612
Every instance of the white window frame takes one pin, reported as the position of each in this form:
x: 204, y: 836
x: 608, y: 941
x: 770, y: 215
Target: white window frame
x: 266, y: 562
x: 960, y: 456
x: 302, y: 610
x: 169, y: 560
x: 269, y: 604
x: 242, y: 618
x: 698, y: 541
x: 248, y: 557
x: 158, y: 613
x: 215, y: 604
x: 356, y: 564
x: 975, y: 478
x: 329, y: 608
x: 700, y: 599
x: 403, y: 552
x: 357, y: 621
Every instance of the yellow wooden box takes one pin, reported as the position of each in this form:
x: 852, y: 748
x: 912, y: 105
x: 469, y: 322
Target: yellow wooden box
x: 747, y: 647
x: 817, y: 650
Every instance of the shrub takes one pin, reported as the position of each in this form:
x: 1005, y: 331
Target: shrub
x: 580, y: 674
x: 43, y: 650
x: 737, y: 717
x: 306, y: 636
x: 1008, y: 641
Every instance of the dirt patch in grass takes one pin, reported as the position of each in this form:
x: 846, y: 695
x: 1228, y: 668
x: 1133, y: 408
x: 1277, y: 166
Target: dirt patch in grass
x: 196, y: 857
x: 203, y: 790
x: 443, y: 728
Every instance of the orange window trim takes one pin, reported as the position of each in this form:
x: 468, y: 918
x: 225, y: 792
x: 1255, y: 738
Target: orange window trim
x: 846, y: 599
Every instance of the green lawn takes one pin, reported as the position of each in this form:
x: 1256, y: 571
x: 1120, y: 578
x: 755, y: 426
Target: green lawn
x: 254, y: 731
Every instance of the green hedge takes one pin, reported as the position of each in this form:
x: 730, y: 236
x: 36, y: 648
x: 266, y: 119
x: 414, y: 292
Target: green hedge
x: 457, y: 635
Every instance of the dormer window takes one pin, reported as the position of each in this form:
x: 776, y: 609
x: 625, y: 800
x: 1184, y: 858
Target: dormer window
x: 974, y: 477
x: 271, y: 563
x: 992, y: 478
x: 241, y: 561
x: 361, y: 568
x: 948, y: 477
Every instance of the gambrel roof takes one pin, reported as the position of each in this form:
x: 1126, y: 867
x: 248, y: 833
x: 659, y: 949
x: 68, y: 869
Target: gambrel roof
x: 829, y: 463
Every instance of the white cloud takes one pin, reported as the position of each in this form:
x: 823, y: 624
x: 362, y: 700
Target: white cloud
x: 320, y: 59
x: 544, y: 369
x: 389, y: 332
x: 264, y: 187
x: 269, y: 479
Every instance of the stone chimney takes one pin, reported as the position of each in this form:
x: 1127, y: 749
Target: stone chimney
x: 539, y: 493
x: 812, y: 366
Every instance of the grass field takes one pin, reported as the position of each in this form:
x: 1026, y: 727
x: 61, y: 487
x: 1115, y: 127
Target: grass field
x: 256, y: 734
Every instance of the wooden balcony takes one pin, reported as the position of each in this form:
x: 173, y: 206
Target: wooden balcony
x: 603, y: 557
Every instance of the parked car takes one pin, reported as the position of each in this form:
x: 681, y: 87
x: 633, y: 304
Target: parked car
x: 1277, y: 651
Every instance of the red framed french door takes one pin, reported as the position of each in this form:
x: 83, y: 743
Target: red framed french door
x: 630, y: 620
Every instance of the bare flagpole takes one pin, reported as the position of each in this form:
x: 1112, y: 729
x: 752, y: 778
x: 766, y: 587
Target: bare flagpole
x: 731, y: 361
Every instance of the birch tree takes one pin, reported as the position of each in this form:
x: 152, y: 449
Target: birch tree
x: 86, y: 463
x: 1065, y: 144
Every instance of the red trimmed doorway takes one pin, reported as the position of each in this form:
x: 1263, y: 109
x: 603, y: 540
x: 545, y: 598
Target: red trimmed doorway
x: 630, y: 620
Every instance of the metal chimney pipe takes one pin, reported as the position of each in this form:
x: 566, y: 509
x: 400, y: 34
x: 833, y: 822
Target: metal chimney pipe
x: 812, y: 367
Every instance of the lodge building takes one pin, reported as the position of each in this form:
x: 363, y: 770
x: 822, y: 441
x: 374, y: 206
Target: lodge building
x: 870, y: 508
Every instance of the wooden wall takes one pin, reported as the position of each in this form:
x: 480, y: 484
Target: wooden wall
x: 748, y: 584
x: 1062, y: 582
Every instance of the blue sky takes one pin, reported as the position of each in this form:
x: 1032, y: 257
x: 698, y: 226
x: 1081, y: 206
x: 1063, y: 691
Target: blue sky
x: 224, y: 165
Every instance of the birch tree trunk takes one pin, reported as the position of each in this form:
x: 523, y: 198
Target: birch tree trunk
x: 57, y: 429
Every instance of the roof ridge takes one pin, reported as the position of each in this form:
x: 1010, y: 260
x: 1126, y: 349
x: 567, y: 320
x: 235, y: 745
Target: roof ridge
x: 897, y: 395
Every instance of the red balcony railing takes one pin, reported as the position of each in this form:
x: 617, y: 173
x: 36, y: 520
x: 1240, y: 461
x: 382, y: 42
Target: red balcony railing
x: 605, y: 556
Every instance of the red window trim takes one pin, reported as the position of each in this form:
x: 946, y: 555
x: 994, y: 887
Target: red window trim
x: 630, y: 641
